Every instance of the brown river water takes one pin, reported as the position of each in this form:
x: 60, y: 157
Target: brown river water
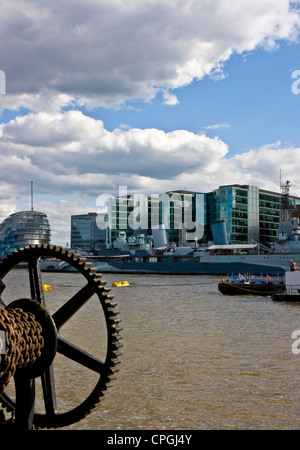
x: 192, y: 359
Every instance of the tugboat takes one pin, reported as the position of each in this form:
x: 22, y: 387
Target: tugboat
x: 251, y: 285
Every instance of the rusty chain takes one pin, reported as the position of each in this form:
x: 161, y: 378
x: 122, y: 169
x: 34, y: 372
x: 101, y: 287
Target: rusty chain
x: 24, y: 342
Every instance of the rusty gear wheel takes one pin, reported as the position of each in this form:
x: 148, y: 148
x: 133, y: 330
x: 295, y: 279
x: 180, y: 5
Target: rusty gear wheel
x: 103, y: 369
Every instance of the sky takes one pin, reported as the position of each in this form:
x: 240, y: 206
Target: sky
x: 151, y: 95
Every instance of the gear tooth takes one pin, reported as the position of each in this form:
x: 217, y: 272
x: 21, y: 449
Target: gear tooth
x: 81, y: 260
x: 111, y: 374
x: 113, y: 305
x: 116, y: 345
x: 116, y: 335
x: 66, y: 253
x: 74, y: 257
x: 105, y: 291
x: 98, y: 280
x: 116, y: 320
x: 117, y: 332
x: 114, y: 364
x: 112, y: 316
x: 101, y: 283
x: 116, y: 353
x: 98, y: 276
x: 112, y: 308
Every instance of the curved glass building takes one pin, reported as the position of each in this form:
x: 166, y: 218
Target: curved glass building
x: 22, y: 229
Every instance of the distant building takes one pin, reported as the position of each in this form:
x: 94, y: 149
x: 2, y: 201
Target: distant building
x: 23, y: 229
x: 241, y: 213
x: 239, y: 207
x: 250, y: 213
x: 85, y: 233
x: 133, y: 217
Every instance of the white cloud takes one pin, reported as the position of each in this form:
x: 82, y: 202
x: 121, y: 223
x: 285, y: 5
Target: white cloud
x: 59, y: 214
x: 262, y: 166
x: 216, y: 126
x: 70, y: 147
x: 104, y: 53
x: 170, y: 99
x: 43, y: 101
x: 70, y: 153
x: 73, y: 159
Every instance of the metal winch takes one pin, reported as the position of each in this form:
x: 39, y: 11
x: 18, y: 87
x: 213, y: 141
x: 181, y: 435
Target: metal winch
x: 31, y: 339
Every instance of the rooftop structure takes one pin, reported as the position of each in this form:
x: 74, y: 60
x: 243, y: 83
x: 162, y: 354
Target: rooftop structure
x: 22, y: 229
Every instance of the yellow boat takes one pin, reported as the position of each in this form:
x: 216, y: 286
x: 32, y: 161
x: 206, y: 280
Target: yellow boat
x: 120, y: 284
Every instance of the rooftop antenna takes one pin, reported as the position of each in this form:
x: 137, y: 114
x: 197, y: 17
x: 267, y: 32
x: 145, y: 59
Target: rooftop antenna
x: 280, y: 178
x: 31, y: 195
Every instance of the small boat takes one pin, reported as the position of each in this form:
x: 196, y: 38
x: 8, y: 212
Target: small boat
x: 292, y: 290
x: 47, y: 287
x: 120, y: 284
x: 52, y: 265
x: 243, y: 285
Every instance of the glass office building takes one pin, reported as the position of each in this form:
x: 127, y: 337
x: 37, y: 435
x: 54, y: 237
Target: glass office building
x: 237, y: 206
x: 250, y: 213
x: 269, y: 215
x: 244, y: 214
x: 132, y: 216
x: 22, y: 229
x: 86, y: 234
x: 181, y: 213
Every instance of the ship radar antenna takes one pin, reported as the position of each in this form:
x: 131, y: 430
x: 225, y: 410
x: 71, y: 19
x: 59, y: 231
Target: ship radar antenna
x: 285, y: 187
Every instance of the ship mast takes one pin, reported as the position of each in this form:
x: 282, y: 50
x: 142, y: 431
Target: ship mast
x: 285, y: 206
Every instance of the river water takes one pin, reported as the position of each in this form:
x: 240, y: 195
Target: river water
x: 192, y: 359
